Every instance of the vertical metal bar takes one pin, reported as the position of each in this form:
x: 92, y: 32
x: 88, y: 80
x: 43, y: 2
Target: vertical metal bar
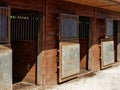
x: 86, y: 28
x: 80, y: 27
x: 35, y: 26
x: 26, y: 29
x: 9, y: 24
x: 38, y: 26
x: 20, y: 38
x: 6, y: 25
x: 23, y: 27
x: 15, y: 26
x: 28, y: 26
x: 18, y: 35
x: 18, y: 27
x: 2, y: 25
x: 12, y: 28
x: 21, y: 35
x: 31, y: 27
x: 83, y: 26
x: 34, y: 20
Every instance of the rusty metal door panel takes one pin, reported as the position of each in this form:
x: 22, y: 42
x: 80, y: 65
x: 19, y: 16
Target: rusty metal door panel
x: 69, y: 60
x: 107, y: 53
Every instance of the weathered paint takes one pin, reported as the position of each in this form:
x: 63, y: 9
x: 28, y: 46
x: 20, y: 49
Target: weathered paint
x: 70, y: 59
x: 5, y: 68
x: 107, y: 53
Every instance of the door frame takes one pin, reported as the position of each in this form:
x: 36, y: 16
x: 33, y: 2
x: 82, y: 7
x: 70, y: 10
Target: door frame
x: 90, y: 44
x: 89, y: 61
x: 39, y: 42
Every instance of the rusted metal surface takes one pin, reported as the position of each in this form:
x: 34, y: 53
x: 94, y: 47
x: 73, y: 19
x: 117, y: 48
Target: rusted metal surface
x: 107, y: 53
x: 69, y: 60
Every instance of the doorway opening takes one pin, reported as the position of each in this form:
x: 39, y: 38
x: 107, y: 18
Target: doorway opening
x: 74, y: 46
x: 25, y: 25
x: 84, y: 32
x: 115, y: 37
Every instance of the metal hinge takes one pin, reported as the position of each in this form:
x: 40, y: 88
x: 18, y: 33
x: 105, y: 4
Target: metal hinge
x: 57, y: 34
x: 58, y: 50
x: 58, y: 67
x: 58, y: 18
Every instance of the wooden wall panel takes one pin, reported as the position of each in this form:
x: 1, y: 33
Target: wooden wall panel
x: 48, y: 62
x: 51, y: 76
x: 102, y: 13
x: 56, y: 7
x: 28, y: 4
x: 69, y: 8
x: 98, y: 34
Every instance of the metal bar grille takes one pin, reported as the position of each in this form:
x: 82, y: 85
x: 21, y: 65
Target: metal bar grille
x: 84, y: 27
x: 4, y: 13
x: 24, y: 25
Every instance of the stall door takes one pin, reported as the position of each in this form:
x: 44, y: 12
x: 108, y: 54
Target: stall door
x: 24, y: 34
x: 5, y: 49
x: 84, y: 28
x: 108, y: 46
x: 69, y: 47
x: 108, y: 56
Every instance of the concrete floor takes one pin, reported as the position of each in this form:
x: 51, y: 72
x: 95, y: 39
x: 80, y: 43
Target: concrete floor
x: 108, y: 79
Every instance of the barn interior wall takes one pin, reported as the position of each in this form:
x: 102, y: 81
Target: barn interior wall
x: 21, y: 48
x: 53, y: 9
x: 49, y: 58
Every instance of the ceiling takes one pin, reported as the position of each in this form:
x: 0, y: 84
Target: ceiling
x: 113, y: 5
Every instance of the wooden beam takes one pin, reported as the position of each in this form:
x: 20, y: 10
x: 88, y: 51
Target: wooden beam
x: 113, y: 5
